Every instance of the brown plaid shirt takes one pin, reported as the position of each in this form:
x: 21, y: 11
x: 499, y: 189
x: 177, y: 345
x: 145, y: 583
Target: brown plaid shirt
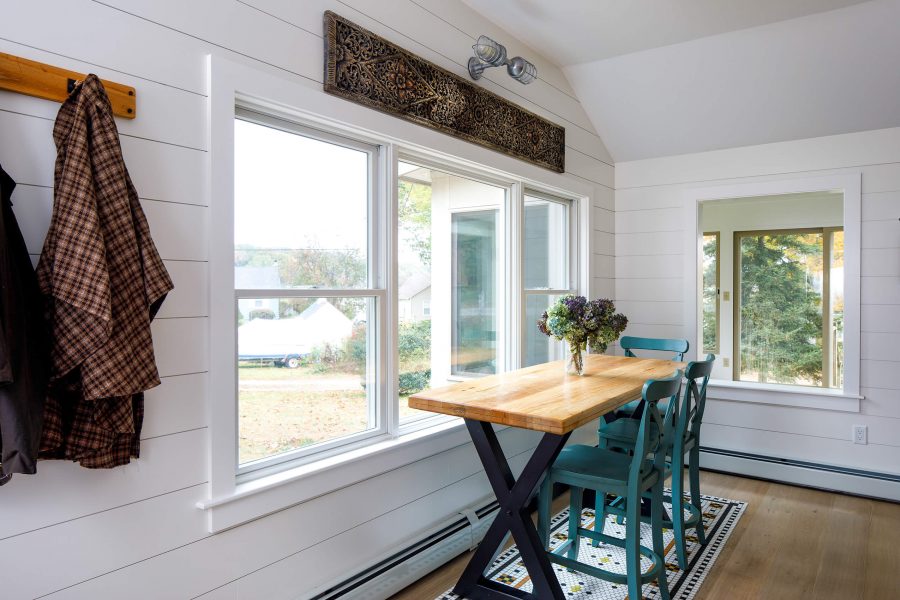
x: 104, y: 281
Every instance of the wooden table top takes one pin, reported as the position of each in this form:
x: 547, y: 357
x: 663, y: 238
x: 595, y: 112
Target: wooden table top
x: 544, y: 397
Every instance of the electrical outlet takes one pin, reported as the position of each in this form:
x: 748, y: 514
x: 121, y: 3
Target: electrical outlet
x: 860, y: 434
x: 725, y: 361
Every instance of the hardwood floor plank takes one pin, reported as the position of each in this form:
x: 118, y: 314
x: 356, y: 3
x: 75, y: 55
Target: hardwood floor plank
x: 802, y: 521
x: 842, y: 566
x: 882, y: 558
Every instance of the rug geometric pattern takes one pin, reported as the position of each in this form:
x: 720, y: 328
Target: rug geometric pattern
x: 720, y: 515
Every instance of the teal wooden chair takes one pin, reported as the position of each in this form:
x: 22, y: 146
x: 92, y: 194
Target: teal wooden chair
x: 627, y: 476
x: 688, y: 417
x: 629, y: 344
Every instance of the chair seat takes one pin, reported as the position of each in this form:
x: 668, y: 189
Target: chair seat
x: 603, y: 467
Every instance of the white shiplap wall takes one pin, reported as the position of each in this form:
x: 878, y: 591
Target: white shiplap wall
x: 134, y: 532
x: 649, y: 287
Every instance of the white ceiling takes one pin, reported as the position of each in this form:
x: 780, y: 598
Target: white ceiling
x: 665, y: 77
x: 569, y: 32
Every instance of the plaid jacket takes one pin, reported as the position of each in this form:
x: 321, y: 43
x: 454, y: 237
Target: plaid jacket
x: 104, y: 281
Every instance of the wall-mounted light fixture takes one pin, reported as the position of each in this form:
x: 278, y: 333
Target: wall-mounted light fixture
x: 489, y: 53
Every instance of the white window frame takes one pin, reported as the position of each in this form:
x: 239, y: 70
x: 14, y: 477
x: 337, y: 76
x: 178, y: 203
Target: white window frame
x: 375, y: 290
x: 850, y: 185
x: 235, y: 499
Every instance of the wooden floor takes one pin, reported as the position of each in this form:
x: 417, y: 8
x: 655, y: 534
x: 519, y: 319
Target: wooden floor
x: 791, y: 543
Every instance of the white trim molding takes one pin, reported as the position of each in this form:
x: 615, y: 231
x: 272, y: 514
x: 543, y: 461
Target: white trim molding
x: 783, y: 395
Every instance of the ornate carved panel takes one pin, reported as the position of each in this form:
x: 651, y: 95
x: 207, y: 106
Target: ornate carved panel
x: 365, y: 68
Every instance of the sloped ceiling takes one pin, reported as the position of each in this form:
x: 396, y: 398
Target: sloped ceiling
x: 660, y: 77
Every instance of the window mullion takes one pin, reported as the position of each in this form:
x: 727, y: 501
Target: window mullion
x: 390, y: 402
x: 515, y: 224
x: 827, y: 235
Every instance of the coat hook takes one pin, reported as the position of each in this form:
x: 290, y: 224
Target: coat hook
x: 70, y: 85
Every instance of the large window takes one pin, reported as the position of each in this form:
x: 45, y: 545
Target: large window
x: 789, y: 310
x: 306, y: 294
x: 316, y: 240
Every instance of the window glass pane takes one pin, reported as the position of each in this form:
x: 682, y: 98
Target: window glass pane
x: 414, y: 262
x: 710, y: 292
x: 305, y: 373
x: 781, y: 307
x: 836, y: 281
x: 475, y: 275
x: 447, y: 312
x: 539, y: 348
x: 546, y: 244
x: 288, y: 188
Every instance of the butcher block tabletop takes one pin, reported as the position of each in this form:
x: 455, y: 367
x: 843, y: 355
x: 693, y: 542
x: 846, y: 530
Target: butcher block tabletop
x: 544, y: 397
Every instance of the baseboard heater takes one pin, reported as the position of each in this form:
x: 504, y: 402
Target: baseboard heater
x: 873, y: 484
x: 392, y: 574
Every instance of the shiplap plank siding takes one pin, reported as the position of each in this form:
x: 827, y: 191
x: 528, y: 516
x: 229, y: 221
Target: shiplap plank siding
x: 161, y: 470
x: 135, y: 531
x: 650, y: 196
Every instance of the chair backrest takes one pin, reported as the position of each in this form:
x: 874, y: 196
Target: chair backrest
x: 690, y: 414
x: 645, y: 444
x: 679, y: 347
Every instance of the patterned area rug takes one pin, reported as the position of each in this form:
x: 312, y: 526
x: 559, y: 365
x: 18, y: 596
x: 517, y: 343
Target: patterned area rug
x: 719, y: 514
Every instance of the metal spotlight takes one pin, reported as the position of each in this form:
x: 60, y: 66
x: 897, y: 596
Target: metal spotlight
x: 489, y: 53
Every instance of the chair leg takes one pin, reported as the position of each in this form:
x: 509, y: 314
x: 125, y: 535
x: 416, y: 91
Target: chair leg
x: 694, y: 472
x: 576, y: 503
x: 545, y: 497
x: 632, y: 544
x: 678, y: 514
x: 656, y: 518
x: 599, y: 515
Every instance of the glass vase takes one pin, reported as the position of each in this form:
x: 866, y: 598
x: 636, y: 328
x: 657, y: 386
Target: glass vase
x: 575, y: 361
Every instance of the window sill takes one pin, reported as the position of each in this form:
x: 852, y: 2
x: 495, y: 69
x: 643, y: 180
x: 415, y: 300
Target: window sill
x: 784, y: 395
x: 269, y: 493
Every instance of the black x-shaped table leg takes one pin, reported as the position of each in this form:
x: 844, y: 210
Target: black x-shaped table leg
x: 513, y: 496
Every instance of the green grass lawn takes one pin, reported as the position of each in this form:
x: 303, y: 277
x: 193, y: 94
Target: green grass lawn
x: 285, y: 409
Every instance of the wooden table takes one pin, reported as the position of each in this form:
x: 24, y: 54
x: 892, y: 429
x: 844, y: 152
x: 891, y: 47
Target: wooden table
x: 542, y: 398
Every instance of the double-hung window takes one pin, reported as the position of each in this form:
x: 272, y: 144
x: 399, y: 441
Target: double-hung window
x: 351, y: 266
x: 548, y: 269
x: 308, y: 291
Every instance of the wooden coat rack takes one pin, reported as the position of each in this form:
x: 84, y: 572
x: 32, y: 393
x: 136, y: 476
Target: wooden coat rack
x: 52, y: 83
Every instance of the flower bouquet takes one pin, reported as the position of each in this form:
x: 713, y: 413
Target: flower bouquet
x: 582, y: 323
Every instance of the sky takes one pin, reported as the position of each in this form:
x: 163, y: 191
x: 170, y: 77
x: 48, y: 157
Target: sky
x: 316, y: 191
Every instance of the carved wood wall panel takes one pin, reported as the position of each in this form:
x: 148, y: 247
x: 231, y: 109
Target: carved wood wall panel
x: 365, y: 68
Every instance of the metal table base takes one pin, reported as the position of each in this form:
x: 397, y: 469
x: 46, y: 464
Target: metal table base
x: 513, y: 495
